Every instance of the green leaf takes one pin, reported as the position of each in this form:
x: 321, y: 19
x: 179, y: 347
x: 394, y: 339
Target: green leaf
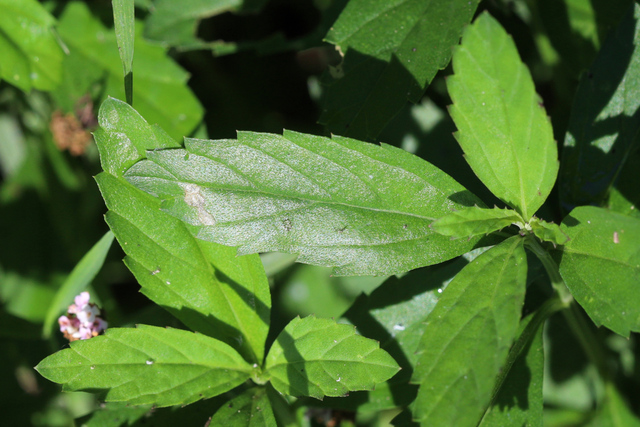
x: 124, y: 24
x: 392, y: 50
x: 474, y: 221
x: 518, y: 394
x: 502, y: 126
x: 548, y: 232
x: 161, y: 93
x: 148, y: 365
x: 625, y: 195
x: 30, y: 56
x: 82, y: 274
x: 175, y: 23
x: 203, y: 284
x: 361, y: 208
x: 614, y: 412
x: 601, y: 266
x: 605, y: 118
x: 319, y: 357
x: 467, y: 337
x: 250, y: 409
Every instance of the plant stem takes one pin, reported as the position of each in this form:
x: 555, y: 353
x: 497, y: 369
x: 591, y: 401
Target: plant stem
x: 551, y: 267
x: 574, y: 317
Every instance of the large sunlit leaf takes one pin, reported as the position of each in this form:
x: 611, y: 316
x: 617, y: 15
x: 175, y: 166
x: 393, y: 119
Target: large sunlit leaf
x: 361, y: 208
x: 392, y: 50
x: 203, y: 284
x: 502, y: 126
x: 160, y: 90
x: 605, y: 118
x: 81, y: 276
x: 250, y: 409
x: 30, y: 56
x: 319, y: 357
x: 601, y: 266
x: 148, y: 365
x: 474, y: 221
x: 467, y: 337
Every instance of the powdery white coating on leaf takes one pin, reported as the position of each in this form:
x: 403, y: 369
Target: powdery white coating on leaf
x: 192, y: 197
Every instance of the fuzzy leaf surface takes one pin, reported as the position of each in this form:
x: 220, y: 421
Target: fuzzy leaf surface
x: 148, y: 365
x: 361, y: 208
x: 601, y: 266
x: 467, y: 337
x: 160, y: 90
x: 474, y: 221
x: 318, y: 357
x: 252, y: 408
x: 502, y: 126
x: 605, y: 118
x: 30, y: 56
x: 392, y: 50
x: 202, y: 283
x: 548, y: 232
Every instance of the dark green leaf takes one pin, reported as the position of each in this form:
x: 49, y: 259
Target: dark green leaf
x: 361, y: 208
x: 203, y: 284
x: 391, y: 51
x: 601, y: 266
x: 519, y: 400
x: 502, y: 125
x: 160, y: 91
x: 250, y: 409
x: 614, y: 412
x: 319, y: 357
x: 175, y: 23
x: 467, y: 337
x: 605, y: 118
x: 30, y: 56
x: 148, y: 365
x: 474, y: 221
x: 81, y: 276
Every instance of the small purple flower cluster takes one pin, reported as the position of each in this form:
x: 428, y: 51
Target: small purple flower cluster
x: 82, y: 320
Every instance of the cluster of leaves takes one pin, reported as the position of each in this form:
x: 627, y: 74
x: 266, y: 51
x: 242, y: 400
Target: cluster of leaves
x: 457, y: 341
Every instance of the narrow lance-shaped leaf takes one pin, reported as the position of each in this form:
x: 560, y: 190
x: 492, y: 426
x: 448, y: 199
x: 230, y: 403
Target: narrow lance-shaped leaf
x: 82, y: 274
x: 392, y: 50
x: 30, y: 56
x: 601, y: 266
x: 502, y: 125
x: 203, y: 284
x: 148, y: 365
x: 474, y: 221
x: 319, y: 357
x: 124, y: 25
x: 252, y: 408
x: 361, y: 208
x: 605, y: 118
x: 467, y: 337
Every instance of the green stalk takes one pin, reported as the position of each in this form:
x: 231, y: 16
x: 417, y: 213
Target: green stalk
x: 574, y: 317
